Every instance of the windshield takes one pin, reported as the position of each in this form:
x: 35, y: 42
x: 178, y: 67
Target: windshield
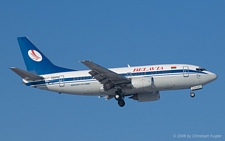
x: 200, y: 69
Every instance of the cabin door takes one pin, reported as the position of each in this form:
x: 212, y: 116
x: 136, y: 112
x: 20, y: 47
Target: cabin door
x: 61, y: 81
x: 185, y: 71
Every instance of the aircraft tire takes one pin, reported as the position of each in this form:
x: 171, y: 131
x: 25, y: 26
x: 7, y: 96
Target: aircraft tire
x: 192, y: 94
x: 117, y: 97
x: 121, y: 102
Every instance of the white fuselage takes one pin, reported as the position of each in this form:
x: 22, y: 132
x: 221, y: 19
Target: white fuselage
x: 144, y: 79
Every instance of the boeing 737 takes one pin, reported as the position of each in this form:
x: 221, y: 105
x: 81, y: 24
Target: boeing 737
x: 141, y: 83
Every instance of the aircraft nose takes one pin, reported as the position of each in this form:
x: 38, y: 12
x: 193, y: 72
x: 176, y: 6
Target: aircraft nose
x: 213, y: 77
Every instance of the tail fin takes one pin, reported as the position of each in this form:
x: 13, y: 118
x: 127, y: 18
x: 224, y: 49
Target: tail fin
x: 35, y: 60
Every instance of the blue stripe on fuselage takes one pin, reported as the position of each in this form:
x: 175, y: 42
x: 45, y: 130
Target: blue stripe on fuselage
x: 89, y: 78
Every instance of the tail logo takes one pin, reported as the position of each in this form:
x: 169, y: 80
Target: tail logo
x: 34, y: 55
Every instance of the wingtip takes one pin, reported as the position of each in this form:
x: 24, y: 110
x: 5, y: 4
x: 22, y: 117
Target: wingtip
x: 84, y: 61
x: 22, y: 37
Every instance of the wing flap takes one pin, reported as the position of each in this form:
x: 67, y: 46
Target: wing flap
x: 26, y: 75
x: 105, y: 76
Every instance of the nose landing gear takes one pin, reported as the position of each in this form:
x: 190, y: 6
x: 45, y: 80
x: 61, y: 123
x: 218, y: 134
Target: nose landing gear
x: 192, y: 94
x: 194, y: 88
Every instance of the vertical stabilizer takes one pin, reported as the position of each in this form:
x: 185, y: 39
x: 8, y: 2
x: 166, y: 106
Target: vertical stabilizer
x: 35, y: 61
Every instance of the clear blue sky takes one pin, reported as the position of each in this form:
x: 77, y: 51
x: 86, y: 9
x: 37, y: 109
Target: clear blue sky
x: 112, y: 34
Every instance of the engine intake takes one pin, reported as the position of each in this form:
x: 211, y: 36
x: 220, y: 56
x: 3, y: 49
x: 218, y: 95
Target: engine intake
x: 145, y: 97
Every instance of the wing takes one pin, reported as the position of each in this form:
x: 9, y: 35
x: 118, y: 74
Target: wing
x: 108, y: 78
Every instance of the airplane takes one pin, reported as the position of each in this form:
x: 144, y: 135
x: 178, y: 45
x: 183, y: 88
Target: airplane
x: 141, y: 83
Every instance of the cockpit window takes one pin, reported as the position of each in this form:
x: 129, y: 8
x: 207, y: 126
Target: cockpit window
x: 200, y: 69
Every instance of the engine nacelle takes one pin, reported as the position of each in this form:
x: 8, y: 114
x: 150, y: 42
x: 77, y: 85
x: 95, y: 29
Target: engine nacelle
x: 142, y: 83
x: 145, y: 97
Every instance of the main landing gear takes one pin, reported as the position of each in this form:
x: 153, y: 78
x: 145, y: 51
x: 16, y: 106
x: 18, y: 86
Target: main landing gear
x: 119, y: 97
x: 121, y: 102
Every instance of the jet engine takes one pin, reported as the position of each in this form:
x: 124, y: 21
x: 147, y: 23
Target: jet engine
x: 145, y: 97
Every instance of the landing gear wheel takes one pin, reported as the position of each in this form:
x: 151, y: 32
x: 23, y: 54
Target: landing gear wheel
x: 117, y: 97
x: 121, y: 102
x: 192, y: 94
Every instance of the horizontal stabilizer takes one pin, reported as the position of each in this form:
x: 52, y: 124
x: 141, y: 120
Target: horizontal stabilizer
x: 26, y: 75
